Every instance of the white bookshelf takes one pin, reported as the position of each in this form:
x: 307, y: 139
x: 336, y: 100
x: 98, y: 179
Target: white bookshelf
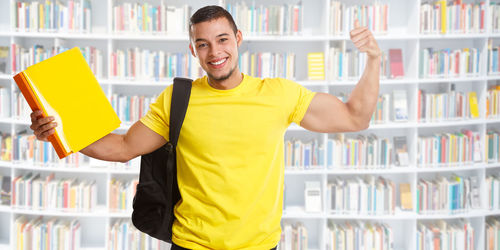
x: 403, y: 32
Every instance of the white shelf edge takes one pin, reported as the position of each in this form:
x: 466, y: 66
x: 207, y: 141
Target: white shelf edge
x: 99, y: 211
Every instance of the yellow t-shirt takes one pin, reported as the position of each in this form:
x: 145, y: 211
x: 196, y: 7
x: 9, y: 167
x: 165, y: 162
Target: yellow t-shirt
x: 230, y: 161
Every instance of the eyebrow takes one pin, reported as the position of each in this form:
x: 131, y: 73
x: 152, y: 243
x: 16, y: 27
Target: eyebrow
x: 202, y: 40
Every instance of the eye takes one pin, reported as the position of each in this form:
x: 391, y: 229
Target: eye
x: 223, y: 40
x: 202, y: 45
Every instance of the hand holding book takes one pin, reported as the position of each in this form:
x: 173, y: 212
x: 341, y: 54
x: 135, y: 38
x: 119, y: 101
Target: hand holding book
x: 42, y: 127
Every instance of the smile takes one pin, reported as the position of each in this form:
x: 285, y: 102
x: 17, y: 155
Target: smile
x: 218, y: 62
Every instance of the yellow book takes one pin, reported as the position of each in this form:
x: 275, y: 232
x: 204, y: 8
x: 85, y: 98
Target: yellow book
x: 443, y: 16
x: 63, y: 86
x: 474, y: 111
x: 252, y: 65
x: 315, y: 66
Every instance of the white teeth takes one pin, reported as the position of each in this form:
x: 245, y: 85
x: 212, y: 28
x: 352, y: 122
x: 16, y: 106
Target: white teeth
x: 219, y: 62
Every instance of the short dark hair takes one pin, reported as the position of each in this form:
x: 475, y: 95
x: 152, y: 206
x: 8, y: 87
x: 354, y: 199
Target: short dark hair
x: 209, y: 13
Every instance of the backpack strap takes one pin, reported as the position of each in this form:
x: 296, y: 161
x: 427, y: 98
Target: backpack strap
x: 178, y: 107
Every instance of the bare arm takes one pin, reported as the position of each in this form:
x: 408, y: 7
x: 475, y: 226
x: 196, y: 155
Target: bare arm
x: 138, y: 140
x: 328, y: 114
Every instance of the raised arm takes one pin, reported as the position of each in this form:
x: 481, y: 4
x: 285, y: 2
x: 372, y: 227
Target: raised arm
x: 327, y: 114
x: 138, y: 140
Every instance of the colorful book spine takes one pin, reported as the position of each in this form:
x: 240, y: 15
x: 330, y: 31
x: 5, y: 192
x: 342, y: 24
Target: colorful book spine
x: 40, y: 192
x: 444, y: 195
x: 349, y: 64
x: 451, y: 105
x: 303, y: 155
x: 493, y: 102
x: 24, y: 57
x: 337, y: 14
x: 121, y: 194
x: 382, y: 110
x: 452, y: 17
x: 149, y: 18
x: 493, y: 191
x: 374, y: 16
x: 268, y: 64
x: 492, y: 147
x: 28, y: 150
x: 492, y: 233
x: 255, y: 19
x: 131, y: 108
x: 42, y: 233
x: 123, y: 235
x: 449, y: 62
x: 364, y: 196
x: 449, y: 149
x: 362, y: 235
x: 41, y: 16
x: 293, y: 237
x: 362, y: 152
x: 446, y: 235
x: 138, y: 64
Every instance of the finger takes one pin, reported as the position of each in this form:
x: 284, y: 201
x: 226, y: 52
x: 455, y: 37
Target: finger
x: 35, y: 114
x: 361, y: 43
x: 356, y: 23
x: 48, y: 126
x: 356, y: 31
x: 363, y: 35
x: 44, y: 136
x: 42, y: 121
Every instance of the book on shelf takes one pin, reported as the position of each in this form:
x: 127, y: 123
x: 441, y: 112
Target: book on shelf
x: 446, y: 235
x: 405, y: 197
x: 316, y: 66
x: 492, y: 147
x: 75, y: 106
x: 312, y: 194
x: 42, y: 233
x: 474, y: 110
x: 492, y: 233
x: 396, y: 62
x: 123, y: 235
x: 493, y: 191
x: 400, y: 105
x: 452, y: 17
x: 359, y: 235
x: 5, y: 187
x: 284, y: 19
x: 4, y: 57
x: 293, y: 237
x: 401, y: 151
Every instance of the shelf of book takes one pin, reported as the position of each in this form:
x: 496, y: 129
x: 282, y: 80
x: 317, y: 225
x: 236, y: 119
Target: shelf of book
x: 99, y: 211
x: 402, y: 32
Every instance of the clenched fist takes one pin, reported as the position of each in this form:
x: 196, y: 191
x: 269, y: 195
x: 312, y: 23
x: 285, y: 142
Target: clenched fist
x: 363, y: 39
x: 42, y: 127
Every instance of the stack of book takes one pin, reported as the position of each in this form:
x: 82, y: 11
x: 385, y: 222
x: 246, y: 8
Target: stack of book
x: 123, y: 235
x: 447, y: 195
x: 316, y: 66
x: 492, y: 147
x: 452, y: 17
x: 448, y: 149
x: 446, y: 235
x: 268, y: 64
x: 449, y: 62
x: 50, y: 15
x: 146, y: 18
x: 303, y: 155
x: 47, y: 234
x: 121, y: 194
x: 360, y: 152
x: 33, y: 191
x: 293, y: 237
x: 130, y: 108
x: 283, y: 19
x: 359, y: 235
x: 370, y: 196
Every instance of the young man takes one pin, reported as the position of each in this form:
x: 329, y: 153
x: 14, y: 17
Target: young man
x: 230, y: 150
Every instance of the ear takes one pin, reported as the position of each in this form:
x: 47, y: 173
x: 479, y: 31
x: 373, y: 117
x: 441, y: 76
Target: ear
x: 239, y: 37
x: 192, y: 50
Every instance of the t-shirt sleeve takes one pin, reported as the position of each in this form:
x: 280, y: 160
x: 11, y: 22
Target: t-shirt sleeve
x: 298, y: 99
x: 158, y: 116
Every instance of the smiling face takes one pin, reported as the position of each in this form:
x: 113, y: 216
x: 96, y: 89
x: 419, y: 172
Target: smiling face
x: 215, y: 45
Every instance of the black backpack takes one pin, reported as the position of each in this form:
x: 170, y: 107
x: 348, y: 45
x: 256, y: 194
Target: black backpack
x: 157, y: 191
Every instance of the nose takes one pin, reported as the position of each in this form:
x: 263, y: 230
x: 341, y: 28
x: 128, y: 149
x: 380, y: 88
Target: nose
x: 214, y: 50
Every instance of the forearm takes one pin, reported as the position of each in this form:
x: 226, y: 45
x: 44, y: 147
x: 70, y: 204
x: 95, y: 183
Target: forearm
x: 109, y: 148
x: 363, y: 99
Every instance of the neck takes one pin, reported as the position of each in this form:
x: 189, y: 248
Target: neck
x: 232, y: 82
